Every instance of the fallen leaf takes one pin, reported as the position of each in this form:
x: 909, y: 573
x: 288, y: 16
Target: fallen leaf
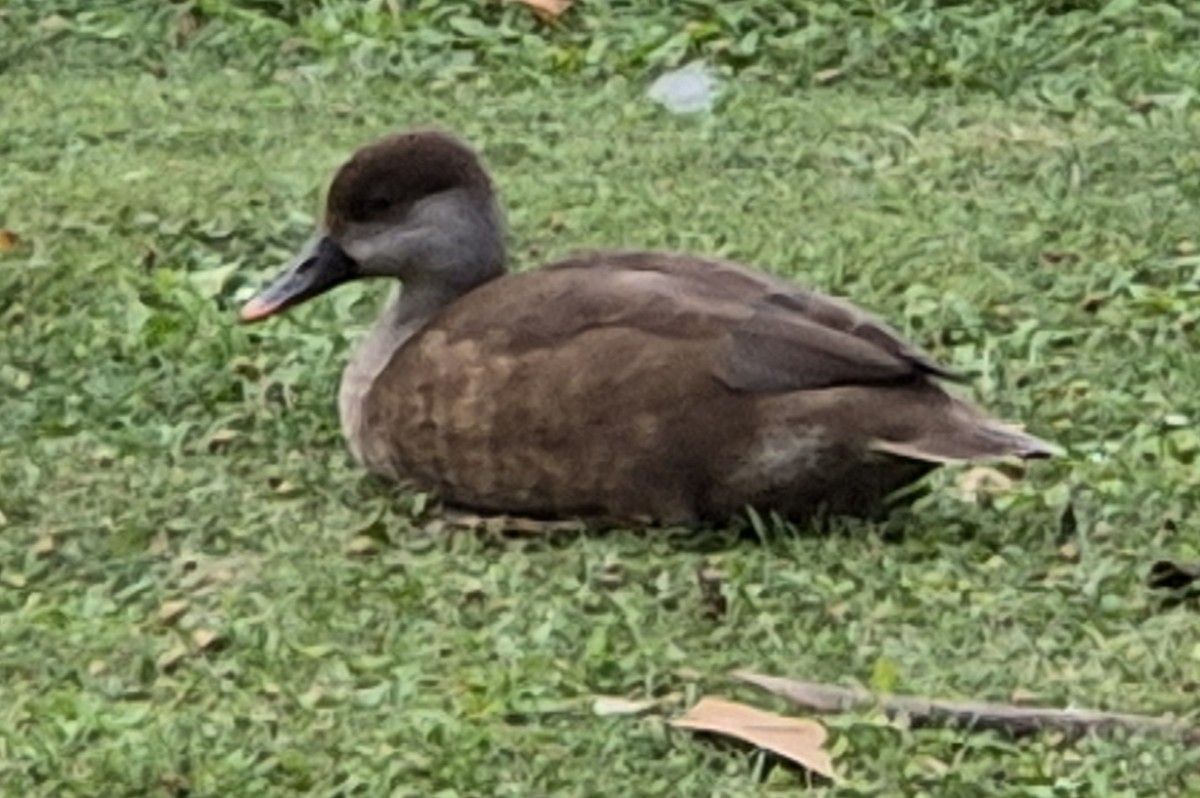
x: 473, y: 592
x: 796, y: 739
x: 824, y: 76
x: 170, y: 659
x: 44, y: 546
x: 207, y: 639
x: 172, y: 611
x: 221, y: 439
x: 284, y: 488
x: 606, y: 705
x: 160, y: 544
x: 8, y: 240
x: 54, y: 23
x: 361, y: 545
x: 546, y: 10
x: 199, y: 575
x: 1026, y: 697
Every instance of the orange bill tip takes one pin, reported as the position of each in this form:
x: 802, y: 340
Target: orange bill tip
x: 256, y: 310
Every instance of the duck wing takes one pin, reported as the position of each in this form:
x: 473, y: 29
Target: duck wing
x: 802, y: 340
x: 773, y: 336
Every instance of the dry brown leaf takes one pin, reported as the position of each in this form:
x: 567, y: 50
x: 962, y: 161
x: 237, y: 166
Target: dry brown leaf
x: 207, y: 639
x: 1069, y: 551
x: 55, y: 23
x: 160, y: 544
x: 361, y: 545
x: 200, y: 575
x: 221, y: 439
x: 44, y: 546
x: 824, y: 76
x: 283, y: 487
x: 170, y: 659
x: 172, y: 611
x: 8, y: 240
x: 1022, y: 696
x: 547, y: 10
x: 796, y: 739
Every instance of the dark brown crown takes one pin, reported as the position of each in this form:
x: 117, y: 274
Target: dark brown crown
x: 383, y: 179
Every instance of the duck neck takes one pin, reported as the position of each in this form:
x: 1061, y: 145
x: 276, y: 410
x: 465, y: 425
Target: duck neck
x: 402, y: 318
x: 417, y: 303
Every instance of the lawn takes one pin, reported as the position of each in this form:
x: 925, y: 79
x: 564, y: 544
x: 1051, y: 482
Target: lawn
x: 201, y: 595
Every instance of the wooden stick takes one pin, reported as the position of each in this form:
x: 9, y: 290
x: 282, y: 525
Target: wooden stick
x: 1014, y: 720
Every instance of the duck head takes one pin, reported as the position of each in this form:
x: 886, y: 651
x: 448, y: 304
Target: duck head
x: 415, y: 206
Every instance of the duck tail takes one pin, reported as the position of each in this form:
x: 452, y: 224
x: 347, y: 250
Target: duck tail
x: 965, y: 435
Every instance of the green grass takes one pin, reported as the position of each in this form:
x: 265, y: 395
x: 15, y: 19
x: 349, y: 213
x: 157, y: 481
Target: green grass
x: 152, y: 450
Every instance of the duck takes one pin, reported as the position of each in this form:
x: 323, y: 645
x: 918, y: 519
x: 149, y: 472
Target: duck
x: 619, y: 386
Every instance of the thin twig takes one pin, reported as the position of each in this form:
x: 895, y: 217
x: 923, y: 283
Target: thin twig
x: 1014, y: 720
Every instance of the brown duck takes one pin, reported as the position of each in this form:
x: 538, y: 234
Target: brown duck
x: 627, y: 386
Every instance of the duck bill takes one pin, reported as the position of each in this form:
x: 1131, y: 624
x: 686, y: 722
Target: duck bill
x: 321, y: 266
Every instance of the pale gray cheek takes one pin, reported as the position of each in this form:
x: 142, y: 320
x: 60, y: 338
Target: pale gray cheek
x: 370, y: 252
x: 387, y: 252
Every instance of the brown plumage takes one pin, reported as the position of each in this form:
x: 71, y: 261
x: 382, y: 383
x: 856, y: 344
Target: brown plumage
x: 617, y: 385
